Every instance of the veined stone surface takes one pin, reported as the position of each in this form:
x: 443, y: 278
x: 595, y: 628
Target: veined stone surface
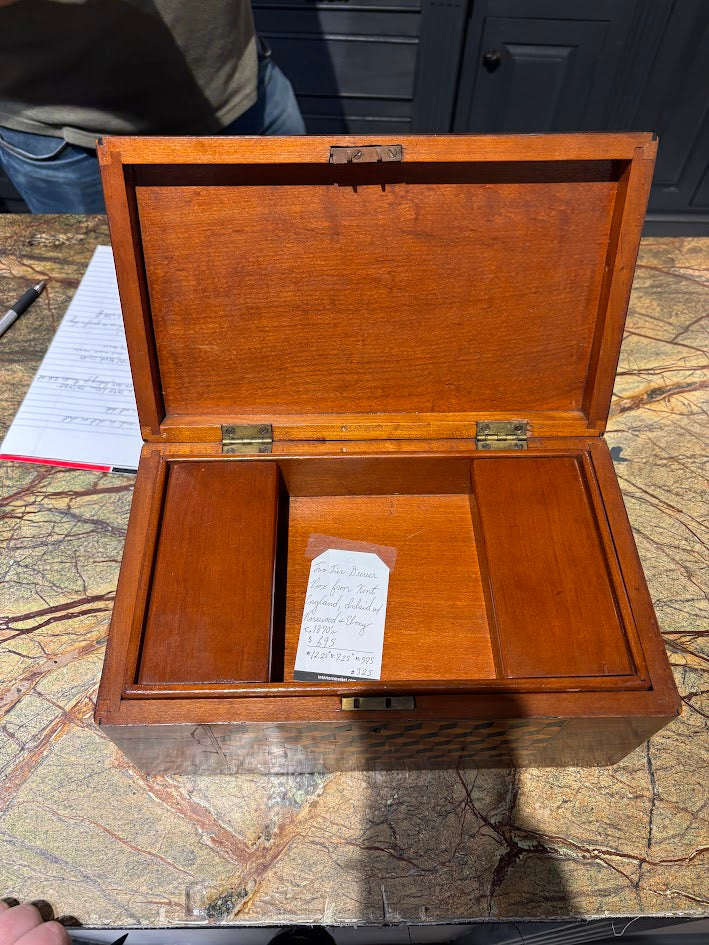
x: 81, y: 827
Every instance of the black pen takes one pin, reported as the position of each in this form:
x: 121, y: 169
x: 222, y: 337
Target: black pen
x: 21, y: 305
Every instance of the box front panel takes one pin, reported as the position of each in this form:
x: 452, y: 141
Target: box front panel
x: 296, y: 748
x: 299, y: 748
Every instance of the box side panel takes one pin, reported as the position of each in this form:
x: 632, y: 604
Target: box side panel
x: 649, y: 643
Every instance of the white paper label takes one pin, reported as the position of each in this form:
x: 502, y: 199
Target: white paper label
x: 342, y: 633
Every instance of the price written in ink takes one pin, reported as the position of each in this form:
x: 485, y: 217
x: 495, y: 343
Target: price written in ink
x: 342, y: 631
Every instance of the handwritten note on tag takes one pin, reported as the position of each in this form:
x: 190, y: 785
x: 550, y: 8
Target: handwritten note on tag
x: 342, y: 633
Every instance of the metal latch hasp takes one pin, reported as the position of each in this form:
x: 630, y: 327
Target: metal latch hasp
x: 369, y: 703
x: 366, y: 154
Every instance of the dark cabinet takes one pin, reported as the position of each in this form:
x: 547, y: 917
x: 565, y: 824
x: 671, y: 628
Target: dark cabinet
x: 353, y: 67
x: 368, y: 66
x: 541, y: 73
x: 672, y: 99
x: 536, y: 81
x: 398, y: 66
x: 599, y: 65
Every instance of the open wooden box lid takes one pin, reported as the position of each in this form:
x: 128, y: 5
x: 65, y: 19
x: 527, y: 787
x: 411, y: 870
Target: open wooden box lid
x: 359, y: 287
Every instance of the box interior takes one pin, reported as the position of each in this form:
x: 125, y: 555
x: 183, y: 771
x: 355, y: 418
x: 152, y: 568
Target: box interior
x: 504, y: 567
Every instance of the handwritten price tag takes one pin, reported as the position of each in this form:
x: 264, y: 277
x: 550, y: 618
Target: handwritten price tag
x: 342, y: 632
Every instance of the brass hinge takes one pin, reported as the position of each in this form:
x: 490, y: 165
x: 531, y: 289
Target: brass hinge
x: 247, y: 438
x: 501, y: 434
x: 370, y: 703
x: 366, y: 154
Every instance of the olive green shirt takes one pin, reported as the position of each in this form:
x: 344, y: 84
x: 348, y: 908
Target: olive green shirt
x: 78, y: 69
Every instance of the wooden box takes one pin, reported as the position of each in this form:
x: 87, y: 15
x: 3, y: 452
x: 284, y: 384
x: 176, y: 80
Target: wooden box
x: 411, y: 344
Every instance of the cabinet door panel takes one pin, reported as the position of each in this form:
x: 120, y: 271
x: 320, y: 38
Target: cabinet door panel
x: 674, y: 104
x: 534, y: 75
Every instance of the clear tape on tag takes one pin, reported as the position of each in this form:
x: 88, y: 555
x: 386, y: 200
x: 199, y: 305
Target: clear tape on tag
x: 318, y: 543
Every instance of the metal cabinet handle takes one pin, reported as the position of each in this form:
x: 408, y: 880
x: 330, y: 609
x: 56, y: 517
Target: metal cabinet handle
x: 492, y: 59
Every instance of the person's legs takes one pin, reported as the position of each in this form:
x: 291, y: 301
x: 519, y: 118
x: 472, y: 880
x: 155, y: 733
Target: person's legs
x: 276, y: 110
x: 51, y: 175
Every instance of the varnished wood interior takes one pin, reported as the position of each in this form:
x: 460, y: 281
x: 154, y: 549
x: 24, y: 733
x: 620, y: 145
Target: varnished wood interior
x: 209, y: 614
x: 551, y: 592
x: 373, y: 314
x: 479, y: 589
x: 420, y: 288
x: 436, y: 626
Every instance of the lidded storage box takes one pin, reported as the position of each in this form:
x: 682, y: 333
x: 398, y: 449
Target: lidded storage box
x: 408, y: 344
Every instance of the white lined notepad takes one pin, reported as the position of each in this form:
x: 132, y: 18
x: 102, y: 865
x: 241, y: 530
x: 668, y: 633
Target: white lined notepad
x: 80, y: 408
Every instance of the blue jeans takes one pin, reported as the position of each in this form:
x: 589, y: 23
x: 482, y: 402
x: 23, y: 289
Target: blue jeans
x: 53, y: 176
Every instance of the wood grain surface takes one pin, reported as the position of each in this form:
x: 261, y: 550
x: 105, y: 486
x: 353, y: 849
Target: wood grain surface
x: 209, y: 614
x: 553, y: 602
x: 406, y: 297
x: 261, y: 281
x: 436, y: 624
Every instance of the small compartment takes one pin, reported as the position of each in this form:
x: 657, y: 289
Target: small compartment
x: 209, y: 614
x: 551, y: 591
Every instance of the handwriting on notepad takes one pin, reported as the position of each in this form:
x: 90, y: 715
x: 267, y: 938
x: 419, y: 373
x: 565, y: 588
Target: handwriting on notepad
x: 81, y: 406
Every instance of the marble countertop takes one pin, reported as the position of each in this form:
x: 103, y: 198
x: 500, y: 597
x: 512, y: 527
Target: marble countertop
x: 81, y: 827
